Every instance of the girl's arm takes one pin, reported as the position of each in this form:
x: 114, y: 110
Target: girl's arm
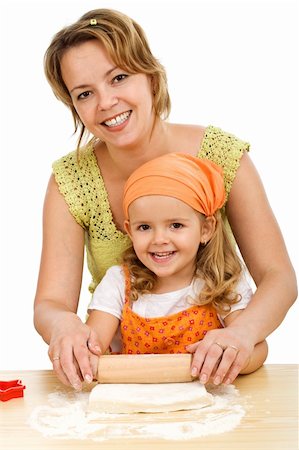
x: 104, y: 325
x: 58, y: 292
x: 262, y: 246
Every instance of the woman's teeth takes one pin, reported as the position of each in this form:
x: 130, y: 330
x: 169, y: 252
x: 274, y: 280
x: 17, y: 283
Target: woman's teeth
x: 118, y: 119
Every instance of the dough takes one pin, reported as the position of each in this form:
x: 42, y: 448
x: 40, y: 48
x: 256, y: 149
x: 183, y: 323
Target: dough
x: 133, y: 398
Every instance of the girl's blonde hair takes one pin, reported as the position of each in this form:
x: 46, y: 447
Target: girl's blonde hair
x: 217, y: 264
x: 127, y: 46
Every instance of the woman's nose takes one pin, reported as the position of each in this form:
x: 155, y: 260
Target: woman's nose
x: 106, y: 100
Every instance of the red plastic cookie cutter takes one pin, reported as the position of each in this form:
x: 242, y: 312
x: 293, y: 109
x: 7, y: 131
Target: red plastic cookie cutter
x: 11, y: 389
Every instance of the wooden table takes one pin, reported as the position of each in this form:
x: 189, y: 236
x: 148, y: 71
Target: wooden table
x: 270, y: 423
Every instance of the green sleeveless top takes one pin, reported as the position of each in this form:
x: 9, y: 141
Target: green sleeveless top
x: 81, y: 184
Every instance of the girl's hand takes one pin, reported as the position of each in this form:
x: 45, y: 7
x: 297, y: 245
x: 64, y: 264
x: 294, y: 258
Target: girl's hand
x: 221, y: 355
x: 69, y: 350
x: 94, y: 362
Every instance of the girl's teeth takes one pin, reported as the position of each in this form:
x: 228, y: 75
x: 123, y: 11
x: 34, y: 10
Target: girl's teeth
x: 117, y: 120
x: 162, y: 255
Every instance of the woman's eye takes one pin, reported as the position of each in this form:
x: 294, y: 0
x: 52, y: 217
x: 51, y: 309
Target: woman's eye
x: 176, y: 225
x: 143, y: 227
x: 119, y: 78
x: 84, y: 95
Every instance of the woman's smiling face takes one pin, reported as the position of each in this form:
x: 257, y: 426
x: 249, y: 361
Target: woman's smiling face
x: 114, y: 105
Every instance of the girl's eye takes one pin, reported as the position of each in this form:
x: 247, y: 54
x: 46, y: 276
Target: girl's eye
x: 143, y: 227
x: 119, y: 78
x: 84, y: 95
x: 176, y: 225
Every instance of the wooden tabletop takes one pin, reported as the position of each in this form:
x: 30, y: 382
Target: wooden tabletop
x: 270, y: 423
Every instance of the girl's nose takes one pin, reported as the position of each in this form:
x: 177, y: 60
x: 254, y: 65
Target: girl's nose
x: 160, y: 237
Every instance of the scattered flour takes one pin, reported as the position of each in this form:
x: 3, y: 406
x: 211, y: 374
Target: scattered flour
x: 65, y: 416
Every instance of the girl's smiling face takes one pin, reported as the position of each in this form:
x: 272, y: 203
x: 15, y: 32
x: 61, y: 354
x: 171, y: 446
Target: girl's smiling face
x: 166, y: 234
x: 114, y: 106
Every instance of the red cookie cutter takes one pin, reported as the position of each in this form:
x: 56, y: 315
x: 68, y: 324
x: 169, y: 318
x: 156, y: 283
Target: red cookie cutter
x: 11, y: 389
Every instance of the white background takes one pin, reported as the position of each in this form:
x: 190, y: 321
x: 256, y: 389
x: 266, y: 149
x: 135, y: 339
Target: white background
x: 233, y: 64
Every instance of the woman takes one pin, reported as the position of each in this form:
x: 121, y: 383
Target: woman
x: 102, y: 68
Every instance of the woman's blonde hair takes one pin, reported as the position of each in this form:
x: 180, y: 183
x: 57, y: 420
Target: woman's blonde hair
x: 217, y: 264
x: 127, y: 46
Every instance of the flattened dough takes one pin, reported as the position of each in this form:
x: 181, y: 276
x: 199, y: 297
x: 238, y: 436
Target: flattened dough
x: 134, y: 398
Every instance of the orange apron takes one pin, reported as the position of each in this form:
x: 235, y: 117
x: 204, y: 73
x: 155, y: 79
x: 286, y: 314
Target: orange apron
x: 169, y: 334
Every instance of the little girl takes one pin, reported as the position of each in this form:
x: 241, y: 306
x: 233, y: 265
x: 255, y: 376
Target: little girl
x: 182, y: 277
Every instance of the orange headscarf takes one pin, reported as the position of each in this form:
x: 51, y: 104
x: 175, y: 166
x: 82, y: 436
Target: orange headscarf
x: 197, y: 182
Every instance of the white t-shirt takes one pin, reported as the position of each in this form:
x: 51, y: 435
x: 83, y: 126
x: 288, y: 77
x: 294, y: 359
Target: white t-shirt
x: 109, y: 296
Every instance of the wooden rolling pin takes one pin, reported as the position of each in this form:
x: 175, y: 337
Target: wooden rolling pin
x: 144, y: 368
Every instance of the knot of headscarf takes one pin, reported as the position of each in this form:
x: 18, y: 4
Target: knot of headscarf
x: 195, y: 181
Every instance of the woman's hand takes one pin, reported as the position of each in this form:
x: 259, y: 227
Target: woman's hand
x: 58, y: 291
x: 221, y: 355
x: 69, y: 350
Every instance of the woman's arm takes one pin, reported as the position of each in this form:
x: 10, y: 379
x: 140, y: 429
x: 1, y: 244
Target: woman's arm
x: 226, y: 353
x: 263, y: 249
x: 58, y: 291
x: 260, y: 350
x: 261, y: 244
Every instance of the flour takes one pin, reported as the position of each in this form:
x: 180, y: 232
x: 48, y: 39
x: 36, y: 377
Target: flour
x: 65, y: 416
